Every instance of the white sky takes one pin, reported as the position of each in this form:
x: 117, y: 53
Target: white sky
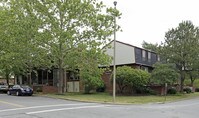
x: 148, y: 20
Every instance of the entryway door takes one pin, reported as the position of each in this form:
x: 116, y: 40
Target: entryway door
x: 73, y: 86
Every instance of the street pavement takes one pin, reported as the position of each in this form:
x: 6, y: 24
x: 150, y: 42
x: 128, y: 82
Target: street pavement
x: 43, y: 107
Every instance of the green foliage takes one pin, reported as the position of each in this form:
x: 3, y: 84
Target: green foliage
x: 164, y: 73
x: 129, y: 77
x: 123, y: 74
x: 90, y: 73
x: 181, y: 48
x: 149, y: 46
x: 101, y: 89
x: 145, y: 76
x: 187, y: 90
x: 91, y: 79
x: 195, y: 84
x: 58, y: 33
x: 172, y: 91
x: 145, y: 90
x: 181, y: 43
x: 141, y: 78
x: 193, y: 75
x: 20, y: 51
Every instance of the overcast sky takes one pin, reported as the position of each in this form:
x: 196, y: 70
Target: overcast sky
x: 148, y: 20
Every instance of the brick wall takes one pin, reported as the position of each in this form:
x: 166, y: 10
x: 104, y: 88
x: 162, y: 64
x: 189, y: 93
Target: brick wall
x: 49, y: 89
x: 106, y: 77
x: 81, y: 86
x: 158, y: 89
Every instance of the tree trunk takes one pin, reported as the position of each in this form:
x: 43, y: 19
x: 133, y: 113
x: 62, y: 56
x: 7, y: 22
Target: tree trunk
x: 61, y: 71
x: 192, y: 80
x: 120, y: 89
x: 7, y: 79
x: 30, y: 78
x: 64, y: 85
x: 15, y: 79
x: 60, y: 90
x: 182, y: 78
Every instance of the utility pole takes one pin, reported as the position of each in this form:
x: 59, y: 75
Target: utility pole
x: 114, y: 55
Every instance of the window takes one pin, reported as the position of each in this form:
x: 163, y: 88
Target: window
x: 158, y: 57
x: 16, y: 87
x: 143, y: 55
x: 149, y: 56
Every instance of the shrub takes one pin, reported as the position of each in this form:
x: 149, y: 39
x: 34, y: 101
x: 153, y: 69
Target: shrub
x: 92, y: 83
x: 142, y: 90
x: 187, y: 90
x: 197, y: 90
x: 152, y: 92
x: 146, y: 90
x: 39, y: 89
x: 91, y: 79
x: 101, y: 89
x: 130, y: 77
x: 172, y: 91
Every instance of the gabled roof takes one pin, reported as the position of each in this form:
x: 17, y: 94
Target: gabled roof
x: 130, y: 46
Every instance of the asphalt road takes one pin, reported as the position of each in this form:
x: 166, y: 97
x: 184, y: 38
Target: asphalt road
x: 43, y: 107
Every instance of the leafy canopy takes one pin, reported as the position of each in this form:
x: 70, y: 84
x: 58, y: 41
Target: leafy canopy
x: 164, y: 73
x: 181, y: 48
x: 58, y: 33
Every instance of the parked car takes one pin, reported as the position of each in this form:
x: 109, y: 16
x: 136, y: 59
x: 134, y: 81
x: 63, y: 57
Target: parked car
x: 3, y: 87
x: 20, y: 90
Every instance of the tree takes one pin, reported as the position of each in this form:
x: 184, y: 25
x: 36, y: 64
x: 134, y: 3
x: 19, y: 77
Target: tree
x: 180, y: 47
x: 90, y: 73
x: 193, y: 70
x: 6, y: 47
x: 193, y: 75
x: 150, y: 46
x: 61, y: 26
x: 21, y: 52
x: 164, y: 73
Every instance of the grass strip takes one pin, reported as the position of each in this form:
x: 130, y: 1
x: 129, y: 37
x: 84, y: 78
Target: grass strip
x: 107, y: 98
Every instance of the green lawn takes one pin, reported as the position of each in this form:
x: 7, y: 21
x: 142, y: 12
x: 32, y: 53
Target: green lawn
x: 107, y: 98
x: 196, y: 82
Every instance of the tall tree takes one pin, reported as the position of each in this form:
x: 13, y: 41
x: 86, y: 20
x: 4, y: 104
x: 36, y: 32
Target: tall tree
x: 61, y: 26
x: 20, y: 35
x: 6, y: 46
x: 180, y: 47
